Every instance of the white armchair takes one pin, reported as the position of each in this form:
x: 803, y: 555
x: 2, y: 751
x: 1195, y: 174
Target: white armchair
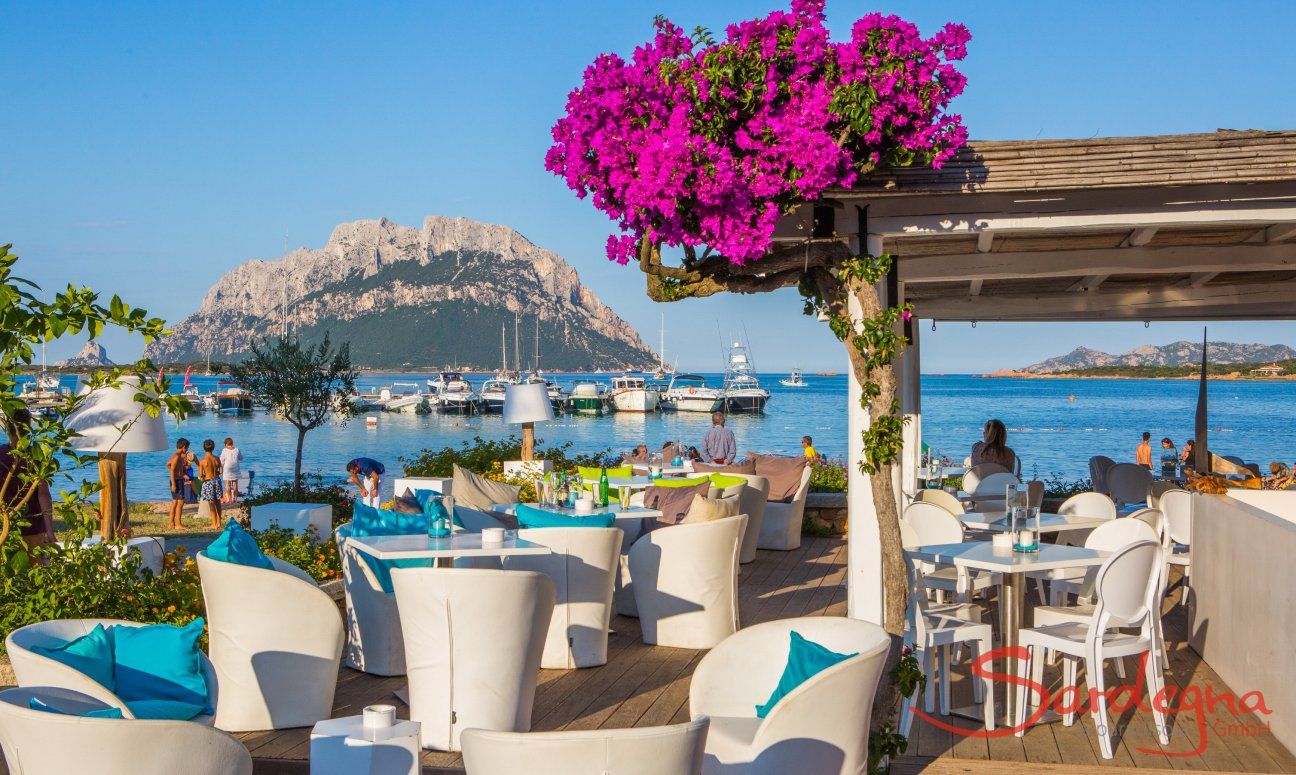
x: 37, y: 742
x: 275, y: 639
x: 32, y: 669
x: 672, y: 750
x: 373, y: 633
x: 582, y: 567
x: 473, y: 640
x: 752, y: 502
x: 686, y: 583
x: 781, y: 526
x: 821, y: 726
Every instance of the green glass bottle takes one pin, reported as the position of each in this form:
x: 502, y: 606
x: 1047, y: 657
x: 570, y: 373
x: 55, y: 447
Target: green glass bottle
x: 603, y: 488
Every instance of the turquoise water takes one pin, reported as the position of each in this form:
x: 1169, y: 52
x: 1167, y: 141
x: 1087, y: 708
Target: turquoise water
x: 1048, y: 430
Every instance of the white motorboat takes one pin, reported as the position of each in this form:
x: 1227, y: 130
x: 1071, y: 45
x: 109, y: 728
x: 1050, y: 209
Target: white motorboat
x: 794, y: 380
x: 589, y: 397
x: 742, y: 388
x: 690, y: 393
x: 408, y: 401
x: 454, y: 394
x: 633, y: 394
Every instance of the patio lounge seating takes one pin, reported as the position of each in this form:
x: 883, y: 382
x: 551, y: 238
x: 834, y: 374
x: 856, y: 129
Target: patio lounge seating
x: 41, y: 742
x: 781, y: 525
x: 686, y: 583
x: 33, y: 669
x: 473, y: 640
x: 672, y: 750
x: 819, y: 727
x: 373, y: 642
x: 752, y: 501
x: 275, y: 639
x: 582, y: 567
x: 1129, y: 484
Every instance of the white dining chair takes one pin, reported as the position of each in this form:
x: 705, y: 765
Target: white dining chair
x: 686, y: 583
x: 582, y: 567
x: 821, y: 726
x: 275, y: 639
x: 1099, y: 466
x: 1090, y: 505
x: 670, y: 750
x: 34, y: 669
x: 1128, y: 588
x: 473, y: 640
x: 1176, y: 505
x: 781, y: 525
x: 975, y: 474
x: 373, y: 643
x: 932, y: 525
x: 1128, y: 484
x: 941, y: 498
x: 1107, y: 537
x: 40, y: 742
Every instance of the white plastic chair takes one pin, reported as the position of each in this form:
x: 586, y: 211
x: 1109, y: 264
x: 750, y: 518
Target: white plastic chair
x: 941, y: 498
x: 933, y: 525
x: 672, y: 750
x: 275, y: 640
x: 686, y: 583
x: 1128, y: 587
x: 582, y: 567
x: 1107, y: 537
x: 32, y: 669
x: 781, y: 526
x: 1099, y: 465
x: 1128, y: 483
x: 37, y: 742
x: 822, y: 726
x: 992, y: 487
x: 753, y: 501
x: 473, y: 640
x: 373, y: 642
x: 976, y: 473
x: 1176, y: 505
x: 1092, y: 505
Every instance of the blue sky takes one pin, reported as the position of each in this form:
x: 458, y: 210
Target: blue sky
x: 147, y: 149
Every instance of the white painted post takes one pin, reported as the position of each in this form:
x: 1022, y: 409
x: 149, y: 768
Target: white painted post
x: 911, y: 405
x: 864, y: 591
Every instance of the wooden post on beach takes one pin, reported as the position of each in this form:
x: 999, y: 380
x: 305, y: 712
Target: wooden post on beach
x: 114, y: 511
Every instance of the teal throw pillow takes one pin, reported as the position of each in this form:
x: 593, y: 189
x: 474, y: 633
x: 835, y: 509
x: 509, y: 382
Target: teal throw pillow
x: 368, y: 521
x: 167, y: 710
x: 91, y: 654
x: 160, y: 662
x: 35, y: 704
x: 237, y: 545
x: 529, y: 516
x: 805, y: 658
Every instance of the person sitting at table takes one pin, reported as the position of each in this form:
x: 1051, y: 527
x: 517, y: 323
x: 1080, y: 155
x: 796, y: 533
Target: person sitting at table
x: 993, y: 448
x: 639, y: 455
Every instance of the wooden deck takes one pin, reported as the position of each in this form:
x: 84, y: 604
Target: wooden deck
x: 646, y: 685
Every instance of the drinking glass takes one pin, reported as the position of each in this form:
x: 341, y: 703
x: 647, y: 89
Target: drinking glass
x: 624, y: 493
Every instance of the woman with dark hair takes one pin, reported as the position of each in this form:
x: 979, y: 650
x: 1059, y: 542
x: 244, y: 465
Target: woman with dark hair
x: 994, y: 447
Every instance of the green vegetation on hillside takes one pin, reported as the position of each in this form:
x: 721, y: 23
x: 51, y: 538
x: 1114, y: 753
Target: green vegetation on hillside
x: 1186, y: 370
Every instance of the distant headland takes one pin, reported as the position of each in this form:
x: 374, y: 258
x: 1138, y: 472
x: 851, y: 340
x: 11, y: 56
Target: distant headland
x: 1177, y: 360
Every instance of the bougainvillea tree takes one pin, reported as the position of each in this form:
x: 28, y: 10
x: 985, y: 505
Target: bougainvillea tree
x: 700, y: 146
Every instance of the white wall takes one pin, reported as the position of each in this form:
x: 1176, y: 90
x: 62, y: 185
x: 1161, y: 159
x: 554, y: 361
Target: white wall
x: 1244, y: 577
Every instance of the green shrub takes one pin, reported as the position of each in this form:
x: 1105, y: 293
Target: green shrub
x: 313, y: 490
x: 828, y: 475
x: 1057, y: 486
x: 314, y: 554
x: 485, y: 456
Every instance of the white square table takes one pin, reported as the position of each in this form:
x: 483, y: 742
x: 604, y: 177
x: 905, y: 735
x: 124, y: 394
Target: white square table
x: 996, y: 522
x: 1012, y: 568
x: 667, y: 470
x: 296, y: 517
x: 443, y: 550
x: 619, y: 513
x: 633, y: 482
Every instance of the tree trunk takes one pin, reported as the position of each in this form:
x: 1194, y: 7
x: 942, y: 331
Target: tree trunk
x: 895, y: 587
x: 301, y: 439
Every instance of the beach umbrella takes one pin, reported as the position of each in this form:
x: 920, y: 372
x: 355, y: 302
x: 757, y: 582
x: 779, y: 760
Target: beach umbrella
x: 1201, y: 456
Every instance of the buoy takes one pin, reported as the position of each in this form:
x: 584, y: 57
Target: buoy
x: 1073, y: 398
x: 371, y: 422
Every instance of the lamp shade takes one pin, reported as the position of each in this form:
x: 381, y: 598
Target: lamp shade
x: 110, y: 420
x: 527, y: 402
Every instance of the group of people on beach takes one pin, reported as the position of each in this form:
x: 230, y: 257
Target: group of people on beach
x: 212, y: 479
x: 1170, y: 456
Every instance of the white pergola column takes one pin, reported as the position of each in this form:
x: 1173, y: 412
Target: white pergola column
x: 864, y: 599
x: 910, y: 373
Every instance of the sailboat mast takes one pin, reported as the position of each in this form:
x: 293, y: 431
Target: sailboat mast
x: 537, y: 345
x: 503, y: 348
x: 661, y: 346
x: 517, y: 353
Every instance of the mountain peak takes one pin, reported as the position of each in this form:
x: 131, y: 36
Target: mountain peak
x: 1174, y: 354
x: 93, y: 354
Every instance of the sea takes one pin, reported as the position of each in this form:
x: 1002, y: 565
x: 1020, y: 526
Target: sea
x: 1054, y: 425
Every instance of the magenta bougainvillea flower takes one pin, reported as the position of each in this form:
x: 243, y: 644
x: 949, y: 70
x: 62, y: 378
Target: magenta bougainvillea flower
x: 708, y: 143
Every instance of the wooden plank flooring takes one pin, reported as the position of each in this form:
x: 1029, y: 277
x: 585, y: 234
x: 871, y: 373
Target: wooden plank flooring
x: 646, y: 685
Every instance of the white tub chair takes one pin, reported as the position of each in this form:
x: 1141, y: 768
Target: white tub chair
x: 275, y: 639
x: 821, y: 726
x: 473, y: 640
x: 623, y: 602
x: 671, y: 750
x: 37, y: 742
x: 753, y: 501
x: 686, y: 583
x: 781, y: 526
x: 1129, y: 484
x: 33, y: 669
x: 373, y: 634
x: 582, y: 567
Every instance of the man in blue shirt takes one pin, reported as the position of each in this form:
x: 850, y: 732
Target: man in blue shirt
x: 719, y: 445
x: 367, y: 474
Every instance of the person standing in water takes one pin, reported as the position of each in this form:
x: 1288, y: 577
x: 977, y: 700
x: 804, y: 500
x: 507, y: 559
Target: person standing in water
x: 366, y: 473
x: 179, y: 483
x: 231, y: 466
x: 1143, y: 452
x: 209, y: 473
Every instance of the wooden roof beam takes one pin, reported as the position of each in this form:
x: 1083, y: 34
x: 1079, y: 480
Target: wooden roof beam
x: 1280, y: 232
x: 1282, y: 213
x: 1140, y: 304
x: 1140, y: 237
x: 1198, y: 279
x: 1089, y: 284
x: 985, y: 241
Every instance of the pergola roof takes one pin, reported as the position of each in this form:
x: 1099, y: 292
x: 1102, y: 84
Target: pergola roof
x: 1136, y: 228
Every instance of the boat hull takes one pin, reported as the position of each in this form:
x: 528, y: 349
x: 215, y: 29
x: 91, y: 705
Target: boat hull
x: 241, y: 405
x: 752, y: 403
x: 491, y: 405
x: 693, y: 403
x: 456, y: 405
x: 636, y: 400
x: 588, y: 405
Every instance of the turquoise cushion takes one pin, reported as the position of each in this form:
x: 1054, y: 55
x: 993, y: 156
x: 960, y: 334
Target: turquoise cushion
x: 170, y: 710
x: 237, y: 545
x: 91, y: 654
x: 35, y: 704
x: 368, y: 521
x: 529, y: 516
x: 160, y: 662
x: 805, y: 658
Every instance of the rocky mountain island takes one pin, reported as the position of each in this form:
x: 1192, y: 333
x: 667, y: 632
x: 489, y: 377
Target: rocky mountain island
x: 93, y: 355
x: 1177, y: 359
x: 413, y: 298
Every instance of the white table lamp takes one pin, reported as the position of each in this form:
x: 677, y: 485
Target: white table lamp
x: 527, y: 404
x: 112, y: 423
